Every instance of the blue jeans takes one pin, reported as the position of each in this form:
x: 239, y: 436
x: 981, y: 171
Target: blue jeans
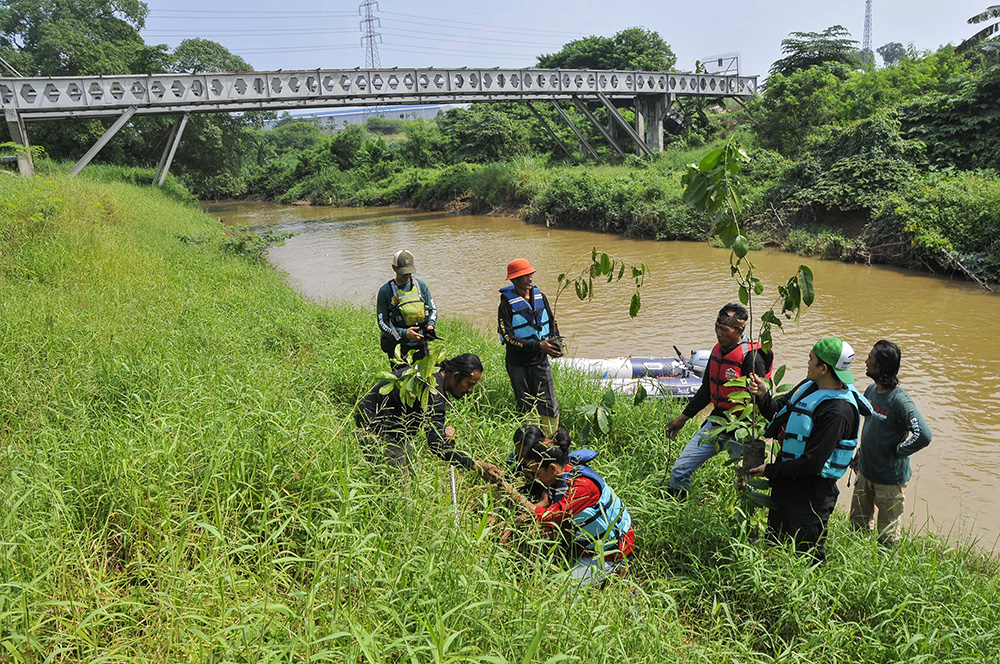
x: 696, y: 453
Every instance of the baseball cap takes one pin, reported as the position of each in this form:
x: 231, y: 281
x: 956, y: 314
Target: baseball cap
x: 518, y: 268
x: 838, y: 354
x: 403, y: 262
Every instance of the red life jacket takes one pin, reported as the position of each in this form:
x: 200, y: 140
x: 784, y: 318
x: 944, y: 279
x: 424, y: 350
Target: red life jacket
x: 724, y: 368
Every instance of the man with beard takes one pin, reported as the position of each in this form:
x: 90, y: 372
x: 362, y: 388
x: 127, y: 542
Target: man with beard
x: 894, y: 431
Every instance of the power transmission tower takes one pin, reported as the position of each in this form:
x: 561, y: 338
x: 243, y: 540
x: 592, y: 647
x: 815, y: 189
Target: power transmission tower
x: 866, y: 44
x: 369, y: 38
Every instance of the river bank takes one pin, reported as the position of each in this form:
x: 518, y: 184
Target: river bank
x: 180, y: 482
x: 938, y: 222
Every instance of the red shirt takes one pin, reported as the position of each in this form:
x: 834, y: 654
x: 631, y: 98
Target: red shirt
x: 581, y: 493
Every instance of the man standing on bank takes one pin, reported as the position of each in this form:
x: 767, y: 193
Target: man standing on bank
x: 818, y: 424
x: 731, y: 358
x: 529, y: 331
x: 405, y: 311
x: 894, y: 431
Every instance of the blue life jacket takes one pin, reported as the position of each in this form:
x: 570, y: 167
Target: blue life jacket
x: 604, y: 522
x: 798, y: 428
x: 530, y: 321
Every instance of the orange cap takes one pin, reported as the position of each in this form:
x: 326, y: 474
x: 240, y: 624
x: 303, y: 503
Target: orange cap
x: 518, y: 268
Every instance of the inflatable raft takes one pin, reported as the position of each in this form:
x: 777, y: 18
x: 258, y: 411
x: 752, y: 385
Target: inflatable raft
x: 676, y: 377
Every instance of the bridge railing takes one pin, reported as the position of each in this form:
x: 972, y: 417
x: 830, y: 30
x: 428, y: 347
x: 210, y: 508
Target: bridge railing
x: 100, y: 95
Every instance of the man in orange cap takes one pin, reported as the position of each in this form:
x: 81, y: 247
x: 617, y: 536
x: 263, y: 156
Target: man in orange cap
x: 528, y: 329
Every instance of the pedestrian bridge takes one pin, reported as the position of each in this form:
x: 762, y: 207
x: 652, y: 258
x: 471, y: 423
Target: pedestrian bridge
x: 27, y: 100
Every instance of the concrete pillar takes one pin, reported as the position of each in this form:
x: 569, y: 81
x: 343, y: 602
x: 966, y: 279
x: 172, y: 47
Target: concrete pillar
x: 650, y: 111
x: 19, y: 135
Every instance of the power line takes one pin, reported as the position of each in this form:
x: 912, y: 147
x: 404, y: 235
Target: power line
x: 218, y: 13
x: 479, y: 40
x: 482, y: 24
x: 254, y: 33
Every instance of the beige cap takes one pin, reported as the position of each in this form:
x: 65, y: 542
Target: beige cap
x: 403, y: 262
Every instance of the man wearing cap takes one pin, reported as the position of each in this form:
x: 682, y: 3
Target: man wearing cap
x: 818, y: 424
x: 405, y: 311
x: 528, y: 330
x: 893, y: 432
x: 732, y: 357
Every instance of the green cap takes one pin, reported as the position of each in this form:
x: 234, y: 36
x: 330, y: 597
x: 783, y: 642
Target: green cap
x: 838, y: 354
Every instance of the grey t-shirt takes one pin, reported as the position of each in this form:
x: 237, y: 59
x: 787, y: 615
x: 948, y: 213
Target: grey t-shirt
x: 893, y: 432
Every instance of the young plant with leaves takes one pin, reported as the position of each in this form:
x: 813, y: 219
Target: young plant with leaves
x: 597, y: 417
x: 713, y: 186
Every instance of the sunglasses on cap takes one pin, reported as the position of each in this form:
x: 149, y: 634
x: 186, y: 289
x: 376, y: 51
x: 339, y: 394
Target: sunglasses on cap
x: 730, y: 321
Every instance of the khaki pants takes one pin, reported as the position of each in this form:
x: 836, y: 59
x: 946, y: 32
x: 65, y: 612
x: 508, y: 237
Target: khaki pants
x: 887, y: 498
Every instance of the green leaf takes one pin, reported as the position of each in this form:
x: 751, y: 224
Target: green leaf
x: 621, y: 270
x: 603, y: 425
x: 710, y: 161
x: 385, y: 389
x: 758, y: 285
x: 608, y: 400
x: 605, y: 264
x: 765, y: 338
x: 740, y: 246
x: 535, y: 644
x: 633, y: 309
x: 759, y: 499
x: 727, y: 231
x: 779, y: 373
x: 640, y: 394
x: 759, y: 482
x: 806, y: 285
x: 744, y: 295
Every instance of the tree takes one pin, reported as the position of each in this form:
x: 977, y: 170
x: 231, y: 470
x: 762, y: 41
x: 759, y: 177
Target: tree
x: 77, y: 37
x: 483, y: 133
x: 203, y: 55
x: 892, y: 53
x: 797, y: 107
x: 808, y: 49
x: 632, y: 48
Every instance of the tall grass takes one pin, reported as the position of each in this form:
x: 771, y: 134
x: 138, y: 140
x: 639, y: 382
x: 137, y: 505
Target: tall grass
x: 180, y: 482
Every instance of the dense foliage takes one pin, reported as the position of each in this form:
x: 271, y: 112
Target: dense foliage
x: 632, y: 48
x: 837, y: 148
x: 180, y: 481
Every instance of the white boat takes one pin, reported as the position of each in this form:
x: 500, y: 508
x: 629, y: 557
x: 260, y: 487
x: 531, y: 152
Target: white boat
x: 676, y: 377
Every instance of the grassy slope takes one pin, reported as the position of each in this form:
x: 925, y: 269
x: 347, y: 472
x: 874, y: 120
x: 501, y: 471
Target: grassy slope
x: 179, y: 482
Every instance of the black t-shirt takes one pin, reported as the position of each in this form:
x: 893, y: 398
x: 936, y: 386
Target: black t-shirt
x: 386, y: 414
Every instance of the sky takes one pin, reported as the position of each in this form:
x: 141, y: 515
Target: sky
x: 309, y: 34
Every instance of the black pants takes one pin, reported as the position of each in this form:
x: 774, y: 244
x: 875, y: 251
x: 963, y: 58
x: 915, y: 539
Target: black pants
x: 801, y: 512
x: 533, y: 387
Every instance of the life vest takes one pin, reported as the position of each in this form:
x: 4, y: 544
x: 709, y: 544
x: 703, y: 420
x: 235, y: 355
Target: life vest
x: 724, y: 368
x: 798, y: 427
x: 606, y: 521
x: 530, y: 321
x: 407, y: 307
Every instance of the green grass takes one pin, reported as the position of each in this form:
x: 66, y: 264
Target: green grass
x: 179, y: 481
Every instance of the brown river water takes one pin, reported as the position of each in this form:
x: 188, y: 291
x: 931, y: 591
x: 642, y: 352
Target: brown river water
x: 950, y: 366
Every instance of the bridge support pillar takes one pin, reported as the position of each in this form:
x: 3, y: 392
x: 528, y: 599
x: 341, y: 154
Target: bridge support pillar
x: 19, y: 135
x: 103, y: 140
x: 173, y: 140
x: 585, y: 146
x: 649, y: 113
x: 556, y: 138
x: 582, y: 107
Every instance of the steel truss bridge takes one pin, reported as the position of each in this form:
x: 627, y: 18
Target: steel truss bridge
x: 652, y: 95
